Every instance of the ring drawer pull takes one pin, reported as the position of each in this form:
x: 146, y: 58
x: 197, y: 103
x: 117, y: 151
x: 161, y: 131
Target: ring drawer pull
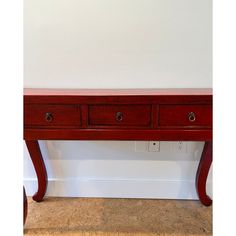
x: 191, y: 117
x: 119, y: 116
x: 48, y: 117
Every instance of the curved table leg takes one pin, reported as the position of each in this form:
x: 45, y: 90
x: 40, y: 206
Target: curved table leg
x: 37, y: 159
x: 25, y: 205
x: 202, y: 173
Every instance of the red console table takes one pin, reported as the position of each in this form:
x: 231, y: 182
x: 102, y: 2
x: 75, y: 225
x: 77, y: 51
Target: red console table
x: 127, y: 114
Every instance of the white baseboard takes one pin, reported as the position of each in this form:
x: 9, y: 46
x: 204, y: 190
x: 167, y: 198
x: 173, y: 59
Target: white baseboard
x: 117, y: 188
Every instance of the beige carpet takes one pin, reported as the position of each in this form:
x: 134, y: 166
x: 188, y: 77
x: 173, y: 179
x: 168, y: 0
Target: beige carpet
x: 118, y: 217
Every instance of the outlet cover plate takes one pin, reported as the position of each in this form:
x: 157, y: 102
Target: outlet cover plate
x: 154, y: 146
x: 180, y: 147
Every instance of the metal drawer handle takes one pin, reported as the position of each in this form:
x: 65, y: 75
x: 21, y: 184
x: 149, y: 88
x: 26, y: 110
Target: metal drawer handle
x: 191, y: 117
x: 119, y: 116
x: 48, y: 117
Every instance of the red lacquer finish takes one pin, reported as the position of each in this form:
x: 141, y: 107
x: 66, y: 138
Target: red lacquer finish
x: 119, y: 134
x: 52, y: 115
x: 194, y: 116
x: 125, y: 116
x: 118, y: 96
x: 128, y: 114
x: 37, y: 159
x: 202, y: 173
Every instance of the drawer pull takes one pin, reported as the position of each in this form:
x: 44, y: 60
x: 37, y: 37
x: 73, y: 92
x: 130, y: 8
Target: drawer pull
x: 191, y: 117
x: 119, y: 116
x: 48, y: 117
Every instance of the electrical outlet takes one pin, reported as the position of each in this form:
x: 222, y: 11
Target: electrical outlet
x: 180, y: 147
x: 154, y: 146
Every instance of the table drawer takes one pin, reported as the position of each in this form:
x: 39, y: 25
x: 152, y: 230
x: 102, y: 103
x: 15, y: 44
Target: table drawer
x: 120, y: 115
x: 52, y: 115
x: 185, y: 115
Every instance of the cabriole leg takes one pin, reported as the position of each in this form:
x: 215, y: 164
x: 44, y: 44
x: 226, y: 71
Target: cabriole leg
x: 25, y: 206
x: 39, y: 166
x: 202, y: 173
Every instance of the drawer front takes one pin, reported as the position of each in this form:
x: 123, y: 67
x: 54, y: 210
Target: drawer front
x: 120, y: 115
x: 185, y: 115
x: 52, y: 115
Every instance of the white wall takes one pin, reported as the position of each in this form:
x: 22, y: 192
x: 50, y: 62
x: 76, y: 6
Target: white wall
x: 117, y: 44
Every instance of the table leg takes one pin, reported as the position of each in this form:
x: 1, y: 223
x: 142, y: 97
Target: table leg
x: 25, y: 205
x: 202, y: 173
x: 39, y: 166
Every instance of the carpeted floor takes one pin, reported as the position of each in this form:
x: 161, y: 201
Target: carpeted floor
x: 118, y: 217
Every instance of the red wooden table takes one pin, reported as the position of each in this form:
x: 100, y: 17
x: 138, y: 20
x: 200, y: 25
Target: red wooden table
x: 113, y: 114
